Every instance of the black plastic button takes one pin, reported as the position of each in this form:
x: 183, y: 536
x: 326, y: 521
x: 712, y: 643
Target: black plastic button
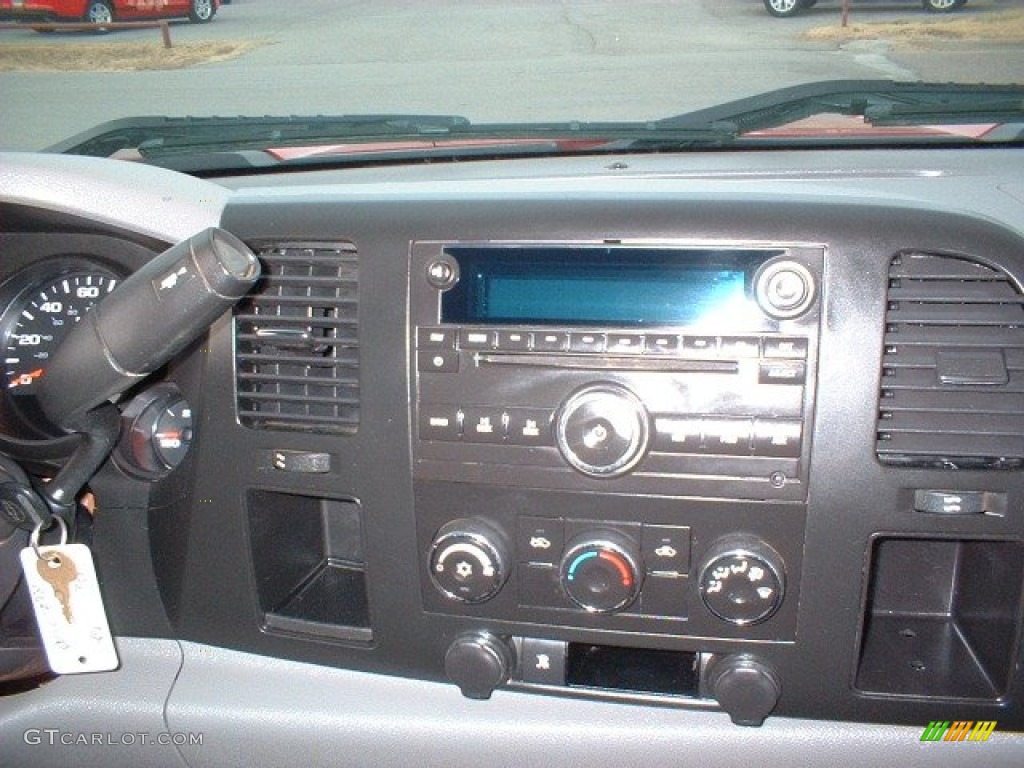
x: 694, y: 346
x: 586, y: 342
x: 777, y: 437
x: 475, y: 338
x: 682, y: 434
x: 514, y: 341
x: 437, y: 360
x: 662, y: 344
x: 795, y: 348
x: 952, y: 502
x: 435, y: 338
x: 740, y: 346
x: 483, y: 425
x: 539, y: 586
x: 439, y: 422
x: 550, y: 341
x: 625, y: 343
x: 782, y: 373
x: 542, y: 661
x: 530, y: 426
x: 730, y: 437
x: 540, y: 540
x: 666, y: 548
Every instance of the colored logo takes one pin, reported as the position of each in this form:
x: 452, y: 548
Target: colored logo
x: 958, y: 730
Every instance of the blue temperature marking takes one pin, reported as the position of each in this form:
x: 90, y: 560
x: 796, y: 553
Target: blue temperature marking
x: 576, y: 563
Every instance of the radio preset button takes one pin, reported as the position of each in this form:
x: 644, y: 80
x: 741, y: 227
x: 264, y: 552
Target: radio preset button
x: 626, y: 343
x: 437, y: 360
x: 603, y: 430
x: 474, y: 338
x: 678, y: 435
x: 514, y: 341
x: 740, y: 346
x: 777, y: 437
x: 667, y: 344
x: 586, y: 342
x: 549, y: 341
x: 700, y: 345
x: 730, y: 437
x: 435, y: 338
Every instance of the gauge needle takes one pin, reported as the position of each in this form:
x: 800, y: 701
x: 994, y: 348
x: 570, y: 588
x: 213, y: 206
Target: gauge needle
x: 25, y: 378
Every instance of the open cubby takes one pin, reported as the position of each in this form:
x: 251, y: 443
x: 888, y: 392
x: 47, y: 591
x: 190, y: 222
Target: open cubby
x: 942, y: 618
x: 307, y: 556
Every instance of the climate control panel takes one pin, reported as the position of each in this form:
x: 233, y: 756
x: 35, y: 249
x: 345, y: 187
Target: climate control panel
x: 699, y: 568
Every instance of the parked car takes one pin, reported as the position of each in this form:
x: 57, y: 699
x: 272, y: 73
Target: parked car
x: 785, y: 8
x: 106, y: 11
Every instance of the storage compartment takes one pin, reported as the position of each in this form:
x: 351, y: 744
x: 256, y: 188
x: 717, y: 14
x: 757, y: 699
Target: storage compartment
x: 942, y: 618
x: 633, y: 670
x: 307, y: 556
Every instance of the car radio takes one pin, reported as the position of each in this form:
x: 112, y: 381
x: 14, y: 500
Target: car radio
x: 625, y: 429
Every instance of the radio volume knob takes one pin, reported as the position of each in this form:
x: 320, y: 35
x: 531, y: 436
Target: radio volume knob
x: 784, y: 288
x: 603, y: 430
x: 468, y: 560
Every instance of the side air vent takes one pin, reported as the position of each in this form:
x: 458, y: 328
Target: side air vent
x: 953, y: 370
x: 297, y: 341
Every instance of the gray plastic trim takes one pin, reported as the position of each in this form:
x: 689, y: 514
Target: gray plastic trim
x: 131, y: 196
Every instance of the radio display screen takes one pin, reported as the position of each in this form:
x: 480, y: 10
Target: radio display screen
x: 620, y: 286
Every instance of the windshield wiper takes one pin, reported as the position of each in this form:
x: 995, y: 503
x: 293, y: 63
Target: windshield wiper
x: 168, y: 135
x: 879, y: 102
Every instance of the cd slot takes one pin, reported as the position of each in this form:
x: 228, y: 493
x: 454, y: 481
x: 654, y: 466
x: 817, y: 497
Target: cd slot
x: 586, y: 362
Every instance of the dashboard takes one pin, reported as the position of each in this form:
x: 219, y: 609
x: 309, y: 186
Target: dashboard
x: 640, y: 459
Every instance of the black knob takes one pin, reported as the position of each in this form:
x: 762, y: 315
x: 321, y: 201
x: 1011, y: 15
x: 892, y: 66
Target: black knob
x: 478, y: 662
x: 601, y: 571
x: 603, y: 430
x: 742, y: 580
x: 468, y: 560
x: 745, y: 687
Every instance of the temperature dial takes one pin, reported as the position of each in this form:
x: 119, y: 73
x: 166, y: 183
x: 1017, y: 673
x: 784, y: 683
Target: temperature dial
x: 742, y: 581
x: 468, y: 560
x: 601, y: 571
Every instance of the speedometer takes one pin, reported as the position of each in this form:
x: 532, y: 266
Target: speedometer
x: 38, y: 320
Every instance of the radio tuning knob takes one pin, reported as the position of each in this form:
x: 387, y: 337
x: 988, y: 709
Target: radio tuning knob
x: 601, y: 571
x: 602, y: 430
x: 468, y: 560
x: 742, y: 580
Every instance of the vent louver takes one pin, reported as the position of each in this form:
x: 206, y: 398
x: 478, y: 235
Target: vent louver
x: 297, y: 341
x: 953, y: 370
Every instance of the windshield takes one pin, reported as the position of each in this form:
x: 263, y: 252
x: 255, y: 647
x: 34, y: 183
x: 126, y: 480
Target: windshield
x: 596, y: 71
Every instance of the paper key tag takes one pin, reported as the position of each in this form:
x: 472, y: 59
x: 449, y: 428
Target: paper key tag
x: 69, y: 609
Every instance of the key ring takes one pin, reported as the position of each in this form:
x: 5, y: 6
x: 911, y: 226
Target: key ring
x: 33, y: 539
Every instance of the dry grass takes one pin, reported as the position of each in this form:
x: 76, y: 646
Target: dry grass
x: 1002, y: 27
x: 117, y: 57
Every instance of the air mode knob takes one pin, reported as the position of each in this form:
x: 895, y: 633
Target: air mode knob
x: 601, y: 571
x: 742, y: 580
x: 603, y: 430
x: 468, y: 560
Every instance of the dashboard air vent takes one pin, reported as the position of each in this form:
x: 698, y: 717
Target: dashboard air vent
x: 297, y: 341
x: 953, y: 370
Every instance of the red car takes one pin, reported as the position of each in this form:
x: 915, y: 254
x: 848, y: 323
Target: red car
x: 105, y: 11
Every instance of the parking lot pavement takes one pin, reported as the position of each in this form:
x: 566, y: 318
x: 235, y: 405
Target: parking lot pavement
x: 610, y: 60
